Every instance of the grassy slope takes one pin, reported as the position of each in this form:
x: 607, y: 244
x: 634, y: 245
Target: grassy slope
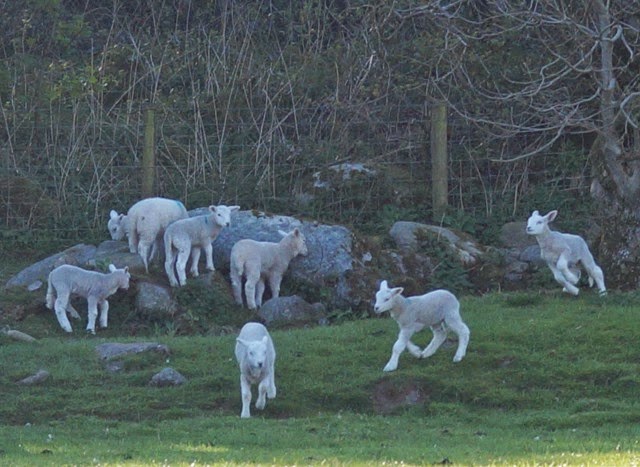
x: 546, y: 379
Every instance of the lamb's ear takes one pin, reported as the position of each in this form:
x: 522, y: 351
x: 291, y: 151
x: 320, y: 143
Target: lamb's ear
x: 112, y: 268
x: 282, y: 232
x: 242, y: 341
x: 126, y: 269
x: 213, y: 208
x: 113, y: 214
x: 535, y: 213
x: 384, y: 285
x: 234, y: 208
x: 296, y: 232
x: 552, y: 215
x: 265, y: 339
x: 397, y: 290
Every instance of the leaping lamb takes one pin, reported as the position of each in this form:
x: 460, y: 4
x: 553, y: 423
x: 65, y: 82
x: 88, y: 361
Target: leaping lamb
x: 144, y: 225
x: 438, y: 310
x: 261, y: 263
x: 190, y: 236
x: 563, y: 252
x: 256, y: 358
x: 95, y: 286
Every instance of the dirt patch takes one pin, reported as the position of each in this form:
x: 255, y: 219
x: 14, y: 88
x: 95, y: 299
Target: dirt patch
x: 390, y: 395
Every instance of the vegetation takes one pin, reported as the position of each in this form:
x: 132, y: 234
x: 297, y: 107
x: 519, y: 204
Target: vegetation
x: 547, y: 379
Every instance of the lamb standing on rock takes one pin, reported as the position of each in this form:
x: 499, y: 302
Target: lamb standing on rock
x: 145, y: 224
x: 95, y: 286
x: 261, y: 263
x: 256, y: 357
x: 189, y: 236
x: 437, y: 309
x: 562, y: 252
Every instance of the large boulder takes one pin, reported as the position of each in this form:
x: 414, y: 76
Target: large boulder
x: 328, y: 264
x: 79, y: 255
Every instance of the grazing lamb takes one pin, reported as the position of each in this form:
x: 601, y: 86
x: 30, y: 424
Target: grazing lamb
x: 96, y: 287
x: 189, y: 236
x: 256, y: 357
x: 438, y: 309
x: 261, y: 263
x: 145, y: 224
x: 562, y: 252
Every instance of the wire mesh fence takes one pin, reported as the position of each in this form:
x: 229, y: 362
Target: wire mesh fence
x: 60, y: 181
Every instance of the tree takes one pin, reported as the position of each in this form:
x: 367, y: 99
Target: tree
x: 534, y: 74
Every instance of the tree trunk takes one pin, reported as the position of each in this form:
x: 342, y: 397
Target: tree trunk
x: 616, y: 184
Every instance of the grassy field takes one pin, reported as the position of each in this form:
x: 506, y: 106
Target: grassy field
x: 547, y: 380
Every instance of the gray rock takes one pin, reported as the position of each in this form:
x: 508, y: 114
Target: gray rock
x: 154, y: 300
x: 514, y: 235
x: 405, y: 235
x: 531, y: 254
x: 109, y: 351
x: 330, y: 247
x: 39, y: 377
x: 291, y: 311
x: 78, y: 255
x: 167, y: 377
x: 117, y: 253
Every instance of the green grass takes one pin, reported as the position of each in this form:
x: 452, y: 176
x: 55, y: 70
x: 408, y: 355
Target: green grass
x: 548, y: 379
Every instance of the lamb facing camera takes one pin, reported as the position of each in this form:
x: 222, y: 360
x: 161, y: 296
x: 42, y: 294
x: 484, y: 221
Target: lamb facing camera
x: 256, y: 358
x: 439, y: 310
x: 564, y: 253
x: 96, y: 287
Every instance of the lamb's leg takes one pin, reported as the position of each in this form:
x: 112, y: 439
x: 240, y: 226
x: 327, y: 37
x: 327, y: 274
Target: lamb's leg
x: 208, y: 252
x: 263, y: 387
x: 104, y: 313
x: 245, y: 392
x: 414, y: 349
x: 457, y: 325
x: 181, y: 265
x: 275, y: 280
x: 169, y: 267
x: 561, y: 279
x: 92, y: 305
x: 595, y: 274
x: 271, y: 389
x: 403, y: 338
x: 195, y: 259
x: 250, y: 288
x: 236, y: 284
x: 260, y: 292
x: 133, y: 240
x: 143, y: 251
x: 50, y: 298
x: 60, y: 307
x: 439, y: 336
x: 72, y: 311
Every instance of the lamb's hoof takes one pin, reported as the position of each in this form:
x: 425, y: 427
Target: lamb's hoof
x: 388, y: 368
x: 602, y: 293
x: 457, y: 359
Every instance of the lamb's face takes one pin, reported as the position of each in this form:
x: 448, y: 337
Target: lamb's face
x: 123, y: 276
x: 222, y: 214
x: 538, y: 224
x: 116, y: 225
x: 256, y: 355
x: 385, y: 297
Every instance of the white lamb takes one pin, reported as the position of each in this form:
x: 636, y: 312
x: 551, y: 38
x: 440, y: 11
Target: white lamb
x: 562, y: 252
x: 438, y: 310
x: 145, y: 224
x: 263, y: 262
x: 256, y: 357
x: 96, y: 287
x: 189, y: 236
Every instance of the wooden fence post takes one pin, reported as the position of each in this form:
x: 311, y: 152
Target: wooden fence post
x: 439, y: 162
x: 149, y: 154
